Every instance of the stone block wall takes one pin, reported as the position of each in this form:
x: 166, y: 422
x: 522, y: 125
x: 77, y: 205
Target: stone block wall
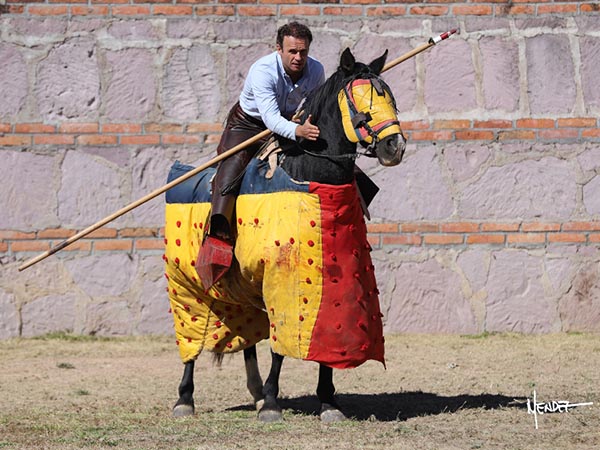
x: 491, y: 222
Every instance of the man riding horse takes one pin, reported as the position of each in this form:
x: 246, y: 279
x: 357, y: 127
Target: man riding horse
x: 274, y: 88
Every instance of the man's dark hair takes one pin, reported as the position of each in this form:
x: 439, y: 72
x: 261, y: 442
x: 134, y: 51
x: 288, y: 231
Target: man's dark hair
x: 295, y: 30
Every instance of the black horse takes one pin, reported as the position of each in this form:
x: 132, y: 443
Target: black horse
x: 343, y: 120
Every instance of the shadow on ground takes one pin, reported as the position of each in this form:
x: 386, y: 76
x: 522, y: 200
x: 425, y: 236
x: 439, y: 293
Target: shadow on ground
x: 399, y: 406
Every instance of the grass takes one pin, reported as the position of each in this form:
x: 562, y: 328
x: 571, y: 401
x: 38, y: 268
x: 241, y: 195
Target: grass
x: 438, y: 392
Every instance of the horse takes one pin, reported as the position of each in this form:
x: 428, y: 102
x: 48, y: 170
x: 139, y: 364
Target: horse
x: 302, y: 275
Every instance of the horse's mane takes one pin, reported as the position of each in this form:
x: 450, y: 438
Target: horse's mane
x: 317, y: 99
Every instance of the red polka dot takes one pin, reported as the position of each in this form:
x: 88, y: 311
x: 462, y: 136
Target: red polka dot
x: 193, y: 263
x: 313, y: 223
x: 189, y: 339
x: 292, y: 241
x: 179, y: 224
x: 308, y: 280
x: 277, y: 243
x: 301, y: 318
x: 229, y: 345
x: 177, y: 261
x: 215, y: 336
x: 218, y: 324
x: 310, y: 261
x: 311, y: 243
x: 274, y: 338
x: 272, y: 325
x: 194, y: 319
x: 256, y: 220
x: 305, y: 300
x: 166, y: 241
x: 178, y: 242
x: 200, y: 225
x: 240, y: 221
x: 186, y: 307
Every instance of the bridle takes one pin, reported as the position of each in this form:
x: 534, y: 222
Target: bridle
x: 367, y: 118
x: 368, y: 114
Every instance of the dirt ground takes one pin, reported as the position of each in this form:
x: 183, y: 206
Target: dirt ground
x: 438, y: 392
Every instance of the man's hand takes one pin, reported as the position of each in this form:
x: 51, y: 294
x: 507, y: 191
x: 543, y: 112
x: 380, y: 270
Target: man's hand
x: 307, y: 130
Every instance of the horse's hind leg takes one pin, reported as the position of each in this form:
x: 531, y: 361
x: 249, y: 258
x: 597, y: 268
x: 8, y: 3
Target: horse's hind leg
x: 330, y: 411
x: 185, y: 404
x: 271, y: 411
x: 253, y: 379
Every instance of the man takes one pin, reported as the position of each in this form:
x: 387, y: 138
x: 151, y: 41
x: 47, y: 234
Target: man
x: 274, y: 88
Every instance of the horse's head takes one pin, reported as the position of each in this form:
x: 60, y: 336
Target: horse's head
x: 368, y: 110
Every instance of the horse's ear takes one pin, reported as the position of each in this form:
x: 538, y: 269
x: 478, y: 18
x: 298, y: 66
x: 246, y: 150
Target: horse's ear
x: 347, y: 61
x: 377, y: 64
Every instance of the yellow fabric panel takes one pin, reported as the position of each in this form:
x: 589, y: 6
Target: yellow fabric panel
x: 284, y: 251
x: 215, y: 321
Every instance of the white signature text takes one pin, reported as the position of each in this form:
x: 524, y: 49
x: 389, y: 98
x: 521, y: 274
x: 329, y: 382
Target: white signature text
x: 562, y: 406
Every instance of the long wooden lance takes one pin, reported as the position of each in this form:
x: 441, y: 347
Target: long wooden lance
x: 263, y: 134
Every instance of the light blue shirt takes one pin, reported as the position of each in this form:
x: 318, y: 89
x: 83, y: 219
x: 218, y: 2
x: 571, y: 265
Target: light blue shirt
x: 270, y: 95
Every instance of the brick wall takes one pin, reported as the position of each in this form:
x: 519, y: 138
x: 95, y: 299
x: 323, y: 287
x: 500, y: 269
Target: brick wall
x: 491, y: 222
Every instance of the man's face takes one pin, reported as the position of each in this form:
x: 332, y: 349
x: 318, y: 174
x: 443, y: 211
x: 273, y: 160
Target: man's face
x: 293, y: 55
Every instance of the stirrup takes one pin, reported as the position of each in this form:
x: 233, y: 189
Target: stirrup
x: 214, y: 260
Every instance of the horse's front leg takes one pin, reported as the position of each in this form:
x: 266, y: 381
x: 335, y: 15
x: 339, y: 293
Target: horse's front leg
x: 330, y: 411
x: 271, y: 411
x: 185, y: 404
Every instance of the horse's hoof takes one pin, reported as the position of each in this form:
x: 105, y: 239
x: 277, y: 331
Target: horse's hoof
x: 183, y: 410
x: 270, y: 416
x: 259, y: 404
x: 330, y: 414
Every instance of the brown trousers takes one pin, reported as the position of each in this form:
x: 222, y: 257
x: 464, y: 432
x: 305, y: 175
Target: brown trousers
x: 238, y: 128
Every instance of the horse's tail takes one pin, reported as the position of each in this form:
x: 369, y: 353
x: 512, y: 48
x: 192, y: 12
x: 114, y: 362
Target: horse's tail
x: 217, y: 359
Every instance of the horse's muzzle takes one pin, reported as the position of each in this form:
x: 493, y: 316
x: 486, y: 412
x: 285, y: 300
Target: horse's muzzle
x: 390, y: 150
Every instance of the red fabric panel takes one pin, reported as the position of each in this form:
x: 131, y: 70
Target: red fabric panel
x: 348, y: 330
